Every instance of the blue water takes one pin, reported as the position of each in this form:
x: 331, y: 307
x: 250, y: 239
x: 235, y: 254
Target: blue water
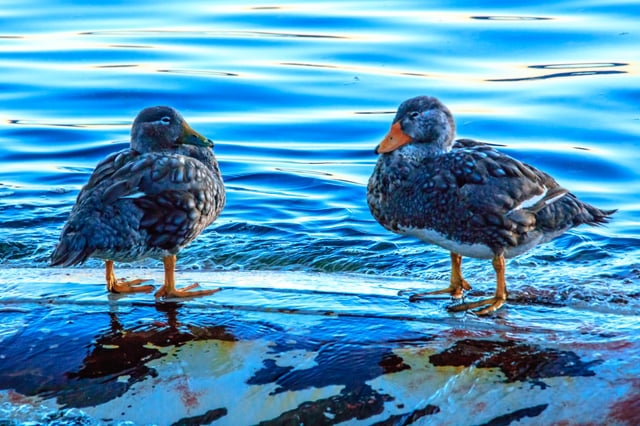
x: 297, y: 94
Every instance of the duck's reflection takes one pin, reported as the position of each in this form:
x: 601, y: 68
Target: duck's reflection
x: 120, y: 357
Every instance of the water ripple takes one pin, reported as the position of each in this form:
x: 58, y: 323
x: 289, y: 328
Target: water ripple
x: 296, y: 97
x: 510, y: 18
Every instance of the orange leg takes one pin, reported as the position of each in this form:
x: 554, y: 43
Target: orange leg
x: 115, y: 285
x: 496, y: 301
x: 457, y: 284
x: 169, y: 288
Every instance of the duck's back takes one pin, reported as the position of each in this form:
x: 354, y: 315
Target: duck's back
x: 138, y: 205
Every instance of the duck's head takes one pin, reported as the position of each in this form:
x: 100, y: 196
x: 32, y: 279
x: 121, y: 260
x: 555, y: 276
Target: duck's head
x: 162, y: 128
x: 422, y: 121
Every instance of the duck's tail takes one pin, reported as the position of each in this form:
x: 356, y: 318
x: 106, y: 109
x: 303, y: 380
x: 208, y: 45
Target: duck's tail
x: 568, y: 212
x: 594, y: 216
x: 71, y: 250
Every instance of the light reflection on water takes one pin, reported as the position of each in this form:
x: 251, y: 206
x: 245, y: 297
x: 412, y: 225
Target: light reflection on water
x: 297, y: 95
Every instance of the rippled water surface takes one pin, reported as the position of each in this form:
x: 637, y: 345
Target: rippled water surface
x: 296, y: 95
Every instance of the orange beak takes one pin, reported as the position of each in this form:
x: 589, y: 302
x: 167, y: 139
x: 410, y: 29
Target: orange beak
x: 394, y: 139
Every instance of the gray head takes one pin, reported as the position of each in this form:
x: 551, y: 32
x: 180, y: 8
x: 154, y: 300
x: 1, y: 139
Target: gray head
x: 162, y: 128
x: 421, y: 120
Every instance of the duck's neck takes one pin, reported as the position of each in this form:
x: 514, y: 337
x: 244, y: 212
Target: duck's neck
x: 419, y: 152
x: 204, y: 155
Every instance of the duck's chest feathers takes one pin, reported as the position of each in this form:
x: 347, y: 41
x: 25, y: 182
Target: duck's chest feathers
x: 409, y: 191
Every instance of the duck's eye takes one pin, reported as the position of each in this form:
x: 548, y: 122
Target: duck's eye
x: 414, y: 114
x: 165, y: 120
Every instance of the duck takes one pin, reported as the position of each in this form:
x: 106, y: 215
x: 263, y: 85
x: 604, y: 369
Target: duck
x: 147, y: 201
x: 466, y: 197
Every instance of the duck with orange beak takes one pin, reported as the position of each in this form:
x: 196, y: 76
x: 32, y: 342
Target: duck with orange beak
x: 466, y: 197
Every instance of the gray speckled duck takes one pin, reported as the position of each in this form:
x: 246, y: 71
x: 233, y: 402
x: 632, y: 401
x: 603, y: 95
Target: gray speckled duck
x: 150, y: 200
x: 466, y: 197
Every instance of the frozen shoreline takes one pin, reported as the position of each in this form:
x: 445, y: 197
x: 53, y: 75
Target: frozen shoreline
x: 278, y: 347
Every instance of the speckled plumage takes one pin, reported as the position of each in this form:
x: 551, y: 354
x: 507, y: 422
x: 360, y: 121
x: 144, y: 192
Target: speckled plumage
x: 471, y: 195
x: 465, y: 195
x: 149, y: 200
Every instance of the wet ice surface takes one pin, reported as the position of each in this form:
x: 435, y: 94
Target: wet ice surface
x: 310, y: 348
x: 310, y: 324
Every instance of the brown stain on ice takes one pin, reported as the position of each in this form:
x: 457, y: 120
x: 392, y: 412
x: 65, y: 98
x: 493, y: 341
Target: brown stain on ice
x: 188, y: 397
x: 517, y: 361
x: 18, y: 399
x: 627, y: 410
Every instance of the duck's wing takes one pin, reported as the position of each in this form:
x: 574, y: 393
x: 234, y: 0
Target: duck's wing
x: 502, y: 183
x: 154, y: 200
x: 177, y: 195
x: 500, y: 194
x: 103, y: 174
x: 73, y: 247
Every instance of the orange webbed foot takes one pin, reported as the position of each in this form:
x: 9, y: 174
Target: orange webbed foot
x: 496, y: 301
x: 133, y: 286
x: 169, y: 290
x: 457, y: 284
x: 115, y: 285
x: 494, y: 304
x: 454, y: 290
x: 166, y: 292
